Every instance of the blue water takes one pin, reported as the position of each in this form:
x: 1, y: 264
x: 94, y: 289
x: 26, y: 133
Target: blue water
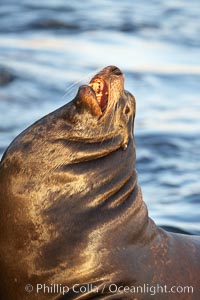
x: 48, y: 48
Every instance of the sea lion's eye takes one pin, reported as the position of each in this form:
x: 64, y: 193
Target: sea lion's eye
x: 127, y: 110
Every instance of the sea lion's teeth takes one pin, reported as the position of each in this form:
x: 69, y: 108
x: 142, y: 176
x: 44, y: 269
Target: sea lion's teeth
x: 96, y: 87
x: 99, y: 87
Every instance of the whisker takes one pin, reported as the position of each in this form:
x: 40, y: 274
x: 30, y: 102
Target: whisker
x: 81, y: 80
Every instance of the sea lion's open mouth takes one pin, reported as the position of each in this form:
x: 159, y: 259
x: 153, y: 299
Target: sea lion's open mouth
x: 102, y: 92
x: 100, y: 88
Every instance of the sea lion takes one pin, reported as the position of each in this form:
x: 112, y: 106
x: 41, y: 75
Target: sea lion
x: 73, y: 221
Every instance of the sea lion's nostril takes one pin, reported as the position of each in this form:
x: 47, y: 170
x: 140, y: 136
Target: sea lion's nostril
x: 116, y: 71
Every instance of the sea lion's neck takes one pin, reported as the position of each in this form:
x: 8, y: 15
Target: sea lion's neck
x: 114, y: 199
x: 113, y: 225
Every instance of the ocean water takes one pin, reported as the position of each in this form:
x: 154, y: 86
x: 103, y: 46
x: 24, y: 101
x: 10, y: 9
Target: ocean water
x: 49, y: 48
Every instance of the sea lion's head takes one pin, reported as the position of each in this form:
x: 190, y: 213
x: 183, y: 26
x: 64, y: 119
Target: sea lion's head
x: 106, y: 107
x: 68, y: 182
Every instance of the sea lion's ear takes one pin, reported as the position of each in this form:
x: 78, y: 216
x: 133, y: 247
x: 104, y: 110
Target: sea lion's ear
x: 86, y: 100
